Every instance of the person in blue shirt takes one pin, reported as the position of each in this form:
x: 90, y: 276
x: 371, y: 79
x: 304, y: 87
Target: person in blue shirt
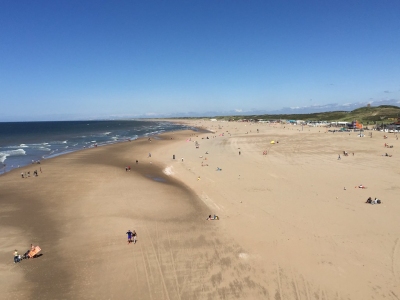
x: 129, y: 233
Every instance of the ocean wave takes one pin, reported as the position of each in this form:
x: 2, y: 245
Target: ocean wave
x: 43, y: 149
x: 58, y: 142
x: 5, y: 154
x: 132, y: 138
x: 16, y: 146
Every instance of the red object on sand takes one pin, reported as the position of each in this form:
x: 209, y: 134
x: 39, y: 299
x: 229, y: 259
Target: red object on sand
x: 33, y: 252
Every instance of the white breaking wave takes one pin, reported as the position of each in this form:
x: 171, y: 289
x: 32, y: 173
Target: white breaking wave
x: 5, y: 154
x: 58, y: 142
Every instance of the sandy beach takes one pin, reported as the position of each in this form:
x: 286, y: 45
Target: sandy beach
x: 293, y: 224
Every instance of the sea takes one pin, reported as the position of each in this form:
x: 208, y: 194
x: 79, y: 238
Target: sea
x: 24, y: 143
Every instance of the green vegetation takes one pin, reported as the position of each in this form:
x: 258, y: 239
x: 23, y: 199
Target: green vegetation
x: 366, y: 115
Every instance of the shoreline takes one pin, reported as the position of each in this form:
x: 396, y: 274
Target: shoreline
x: 13, y: 157
x: 287, y: 227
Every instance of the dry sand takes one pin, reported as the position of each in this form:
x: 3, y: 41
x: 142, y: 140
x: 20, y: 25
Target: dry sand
x: 288, y: 229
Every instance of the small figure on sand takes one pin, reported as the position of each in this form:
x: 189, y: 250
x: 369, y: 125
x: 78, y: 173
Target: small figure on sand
x: 16, y: 256
x: 375, y: 201
x: 339, y: 157
x: 134, y: 234
x: 129, y: 233
x: 210, y: 218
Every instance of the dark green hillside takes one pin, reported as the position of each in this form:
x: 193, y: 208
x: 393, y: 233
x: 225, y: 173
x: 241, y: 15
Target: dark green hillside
x: 367, y: 115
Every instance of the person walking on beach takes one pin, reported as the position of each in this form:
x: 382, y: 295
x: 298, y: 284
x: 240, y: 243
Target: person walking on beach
x: 339, y: 157
x: 134, y: 236
x: 129, y: 233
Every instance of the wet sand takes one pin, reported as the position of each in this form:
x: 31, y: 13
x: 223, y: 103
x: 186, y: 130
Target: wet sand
x: 288, y: 229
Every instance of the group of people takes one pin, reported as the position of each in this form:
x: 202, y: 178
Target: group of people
x: 132, y: 236
x: 28, y: 174
x: 375, y: 201
x: 30, y: 253
x: 212, y: 218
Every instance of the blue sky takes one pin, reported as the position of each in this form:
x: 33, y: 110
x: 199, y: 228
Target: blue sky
x: 89, y: 59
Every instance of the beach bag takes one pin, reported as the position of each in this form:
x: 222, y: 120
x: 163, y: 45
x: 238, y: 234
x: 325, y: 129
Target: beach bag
x: 378, y: 201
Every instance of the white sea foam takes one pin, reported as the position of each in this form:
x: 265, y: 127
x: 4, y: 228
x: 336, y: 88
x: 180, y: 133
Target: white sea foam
x: 58, y: 142
x: 3, y: 157
x: 5, y: 154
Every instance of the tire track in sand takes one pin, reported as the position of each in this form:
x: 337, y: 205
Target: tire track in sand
x: 279, y: 281
x: 396, y: 245
x: 158, y: 265
x: 145, y: 269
